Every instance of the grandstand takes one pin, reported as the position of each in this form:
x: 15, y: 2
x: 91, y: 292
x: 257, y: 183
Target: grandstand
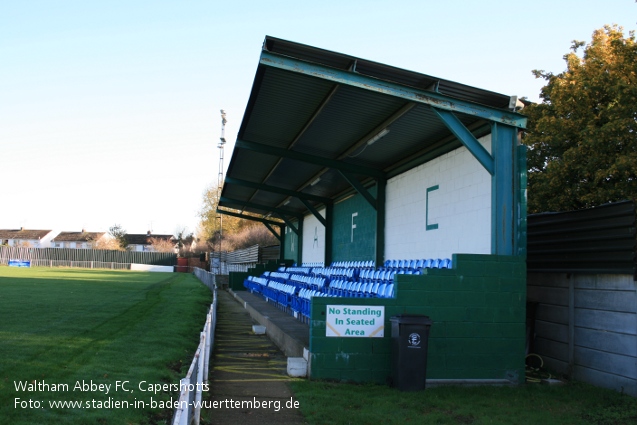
x: 292, y: 288
x: 388, y: 188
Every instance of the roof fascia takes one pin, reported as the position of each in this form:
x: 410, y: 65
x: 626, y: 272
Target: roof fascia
x: 433, y: 99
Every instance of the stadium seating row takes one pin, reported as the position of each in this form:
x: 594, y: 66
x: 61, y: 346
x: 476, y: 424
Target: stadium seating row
x: 292, y: 288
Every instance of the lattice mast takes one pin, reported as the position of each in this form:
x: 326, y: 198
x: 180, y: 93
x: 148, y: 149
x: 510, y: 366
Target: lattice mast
x: 222, y: 142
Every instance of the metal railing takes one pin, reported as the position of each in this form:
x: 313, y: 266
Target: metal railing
x: 192, y: 386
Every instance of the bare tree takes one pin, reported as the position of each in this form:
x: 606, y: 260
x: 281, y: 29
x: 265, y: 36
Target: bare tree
x: 162, y: 245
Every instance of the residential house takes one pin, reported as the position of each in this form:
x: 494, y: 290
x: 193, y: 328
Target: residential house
x: 142, y: 242
x: 77, y: 240
x: 26, y: 238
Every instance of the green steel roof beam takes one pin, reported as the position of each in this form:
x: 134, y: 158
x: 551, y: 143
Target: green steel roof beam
x: 267, y: 223
x: 271, y: 229
x: 224, y: 199
x: 360, y: 189
x: 312, y: 159
x: 249, y: 217
x: 426, y: 97
x: 275, y: 189
x: 468, y: 140
x: 316, y: 214
x: 304, y: 129
x: 291, y: 225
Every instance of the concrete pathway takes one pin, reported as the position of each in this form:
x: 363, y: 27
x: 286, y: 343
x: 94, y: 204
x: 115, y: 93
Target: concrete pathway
x: 248, y: 377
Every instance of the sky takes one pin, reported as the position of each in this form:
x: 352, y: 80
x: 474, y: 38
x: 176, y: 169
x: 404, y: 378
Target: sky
x: 110, y: 110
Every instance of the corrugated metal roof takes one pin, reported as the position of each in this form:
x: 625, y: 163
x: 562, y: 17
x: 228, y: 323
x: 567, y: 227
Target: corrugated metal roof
x: 304, y: 113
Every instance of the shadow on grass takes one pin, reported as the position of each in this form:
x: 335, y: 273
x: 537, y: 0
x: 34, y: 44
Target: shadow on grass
x: 573, y: 403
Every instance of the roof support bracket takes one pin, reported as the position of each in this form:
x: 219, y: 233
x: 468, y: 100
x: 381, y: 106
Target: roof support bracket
x: 314, y: 211
x: 290, y: 224
x: 224, y: 200
x: 249, y: 217
x: 468, y: 140
x: 312, y: 159
x: 360, y: 189
x: 271, y: 229
x: 275, y: 189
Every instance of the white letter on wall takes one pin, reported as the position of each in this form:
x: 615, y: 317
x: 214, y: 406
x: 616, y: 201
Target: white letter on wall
x: 353, y: 225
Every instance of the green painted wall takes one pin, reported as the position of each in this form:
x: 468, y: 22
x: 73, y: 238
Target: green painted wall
x: 478, y: 310
x: 357, y: 244
x: 291, y: 247
x: 235, y: 280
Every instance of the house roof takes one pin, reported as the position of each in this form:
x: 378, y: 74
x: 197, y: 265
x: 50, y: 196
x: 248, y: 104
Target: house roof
x: 318, y: 124
x: 23, y: 234
x: 78, y: 236
x: 144, y: 238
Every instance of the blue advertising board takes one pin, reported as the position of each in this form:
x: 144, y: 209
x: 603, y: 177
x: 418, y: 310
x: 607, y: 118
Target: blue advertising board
x: 19, y: 263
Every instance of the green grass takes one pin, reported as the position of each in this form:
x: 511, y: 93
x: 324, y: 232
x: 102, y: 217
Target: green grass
x: 348, y: 404
x: 63, y: 326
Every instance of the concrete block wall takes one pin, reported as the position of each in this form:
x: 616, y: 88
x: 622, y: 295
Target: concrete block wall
x: 440, y: 208
x: 586, y: 326
x: 478, y: 332
x: 313, y: 239
x: 291, y: 249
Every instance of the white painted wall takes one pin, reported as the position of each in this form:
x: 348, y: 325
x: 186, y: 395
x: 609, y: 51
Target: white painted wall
x: 45, y: 242
x: 313, y: 239
x: 150, y: 268
x: 461, y: 207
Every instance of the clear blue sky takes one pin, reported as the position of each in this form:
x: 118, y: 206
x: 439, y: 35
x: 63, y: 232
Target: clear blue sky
x: 109, y: 110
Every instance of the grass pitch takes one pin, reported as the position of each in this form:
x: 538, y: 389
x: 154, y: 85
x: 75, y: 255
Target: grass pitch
x: 87, y: 346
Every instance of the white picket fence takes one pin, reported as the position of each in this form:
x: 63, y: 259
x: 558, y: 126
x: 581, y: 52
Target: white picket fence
x: 189, y: 410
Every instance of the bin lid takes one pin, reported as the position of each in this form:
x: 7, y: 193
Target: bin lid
x: 412, y: 319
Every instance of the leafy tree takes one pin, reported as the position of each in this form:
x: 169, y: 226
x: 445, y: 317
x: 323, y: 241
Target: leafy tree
x: 118, y: 233
x: 210, y: 219
x: 582, y: 138
x: 237, y: 233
